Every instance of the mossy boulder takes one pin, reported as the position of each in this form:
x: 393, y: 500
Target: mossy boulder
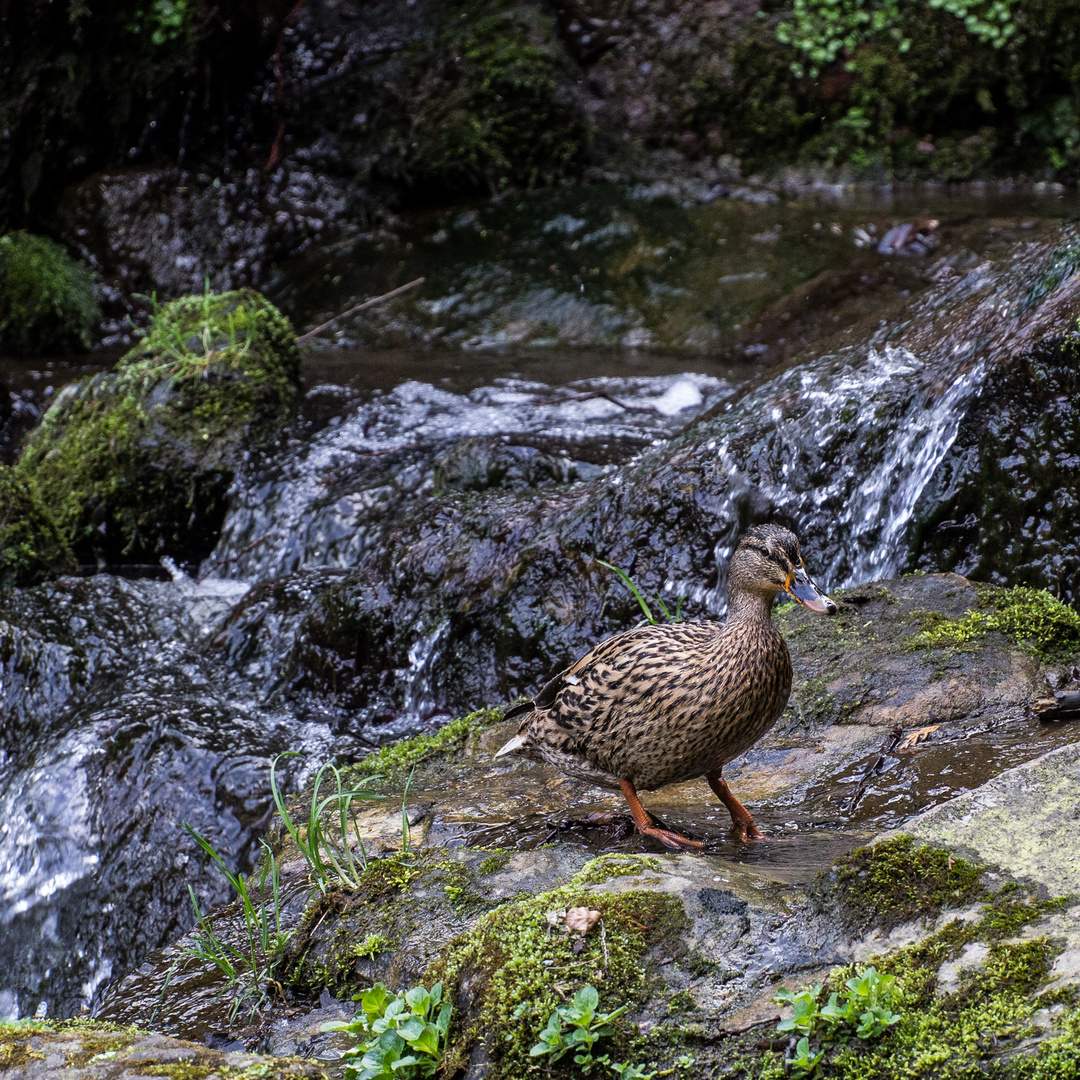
x: 31, y: 546
x: 46, y: 298
x: 136, y: 462
x: 493, y: 105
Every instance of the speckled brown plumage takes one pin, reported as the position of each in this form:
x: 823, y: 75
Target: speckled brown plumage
x: 663, y: 704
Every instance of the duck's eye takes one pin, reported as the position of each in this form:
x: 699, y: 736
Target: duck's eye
x: 766, y: 552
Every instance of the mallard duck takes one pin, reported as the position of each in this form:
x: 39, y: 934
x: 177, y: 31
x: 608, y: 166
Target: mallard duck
x: 663, y: 704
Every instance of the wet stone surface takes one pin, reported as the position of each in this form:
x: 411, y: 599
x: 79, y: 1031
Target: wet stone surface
x: 90, y: 1053
x: 719, y: 931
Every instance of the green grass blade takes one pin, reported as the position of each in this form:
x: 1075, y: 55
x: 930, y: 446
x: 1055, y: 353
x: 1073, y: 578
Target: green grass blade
x: 633, y: 588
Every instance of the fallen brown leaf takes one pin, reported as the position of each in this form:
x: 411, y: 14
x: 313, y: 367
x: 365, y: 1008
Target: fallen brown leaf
x: 581, y: 919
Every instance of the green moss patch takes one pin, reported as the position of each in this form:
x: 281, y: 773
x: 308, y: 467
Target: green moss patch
x: 15, y: 1051
x: 392, y: 764
x: 512, y: 967
x: 347, y: 941
x: 46, y: 298
x: 137, y: 462
x: 884, y: 884
x: 31, y: 545
x: 1058, y: 1057
x: 1040, y: 623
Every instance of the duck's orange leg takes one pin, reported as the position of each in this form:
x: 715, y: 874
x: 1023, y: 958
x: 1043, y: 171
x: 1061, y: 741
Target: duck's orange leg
x: 645, y: 824
x: 740, y: 816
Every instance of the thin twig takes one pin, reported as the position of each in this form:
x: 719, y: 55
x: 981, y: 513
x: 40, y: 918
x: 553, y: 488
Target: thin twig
x: 727, y: 1033
x: 360, y: 307
x: 232, y: 558
x: 279, y: 90
x: 891, y: 741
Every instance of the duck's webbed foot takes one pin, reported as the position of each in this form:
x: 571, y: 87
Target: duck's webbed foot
x: 646, y: 824
x: 740, y: 816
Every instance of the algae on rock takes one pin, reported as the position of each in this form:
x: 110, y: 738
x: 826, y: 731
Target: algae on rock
x: 31, y: 546
x: 492, y: 107
x: 46, y: 298
x: 137, y: 462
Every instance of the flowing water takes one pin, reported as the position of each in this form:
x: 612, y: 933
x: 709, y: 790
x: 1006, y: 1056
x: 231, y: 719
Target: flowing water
x: 588, y: 329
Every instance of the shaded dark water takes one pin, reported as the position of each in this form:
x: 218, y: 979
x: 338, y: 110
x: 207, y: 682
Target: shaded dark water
x: 649, y: 267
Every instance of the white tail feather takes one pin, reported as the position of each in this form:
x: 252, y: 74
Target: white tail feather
x: 516, y: 743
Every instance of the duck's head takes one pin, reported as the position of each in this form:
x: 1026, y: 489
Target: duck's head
x: 768, y: 560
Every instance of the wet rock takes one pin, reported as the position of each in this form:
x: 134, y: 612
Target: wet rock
x: 871, y: 666
x: 116, y: 730
x: 168, y: 231
x: 1002, y: 499
x: 90, y: 1052
x: 136, y: 462
x: 853, y: 448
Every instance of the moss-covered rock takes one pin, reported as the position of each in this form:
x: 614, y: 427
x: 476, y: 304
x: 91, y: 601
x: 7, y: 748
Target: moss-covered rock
x: 974, y: 998
x: 892, y: 881
x: 85, y: 1050
x: 510, y: 970
x: 31, y: 546
x: 493, y: 106
x: 136, y: 462
x: 46, y: 298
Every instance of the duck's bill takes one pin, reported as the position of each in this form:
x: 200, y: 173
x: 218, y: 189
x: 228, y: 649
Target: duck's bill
x: 802, y: 589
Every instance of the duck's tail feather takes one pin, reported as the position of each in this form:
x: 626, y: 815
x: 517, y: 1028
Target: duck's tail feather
x: 516, y: 743
x: 519, y: 710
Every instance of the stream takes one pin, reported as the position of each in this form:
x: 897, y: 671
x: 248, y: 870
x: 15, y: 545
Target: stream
x: 630, y: 374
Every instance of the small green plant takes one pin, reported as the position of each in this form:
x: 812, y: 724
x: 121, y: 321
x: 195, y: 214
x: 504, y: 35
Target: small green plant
x: 862, y: 1009
x: 670, y: 616
x: 399, y: 1037
x: 371, y: 946
x: 630, y: 1072
x: 330, y: 861
x: 247, y: 966
x: 575, y: 1028
x: 163, y: 21
x: 190, y: 350
x: 825, y: 31
x: 804, y: 1062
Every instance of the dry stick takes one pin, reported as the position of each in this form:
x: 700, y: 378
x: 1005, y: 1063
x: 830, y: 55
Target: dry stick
x: 279, y: 93
x: 360, y: 307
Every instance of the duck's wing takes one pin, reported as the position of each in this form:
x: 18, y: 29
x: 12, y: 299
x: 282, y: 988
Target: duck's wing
x: 597, y: 665
x: 585, y: 696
